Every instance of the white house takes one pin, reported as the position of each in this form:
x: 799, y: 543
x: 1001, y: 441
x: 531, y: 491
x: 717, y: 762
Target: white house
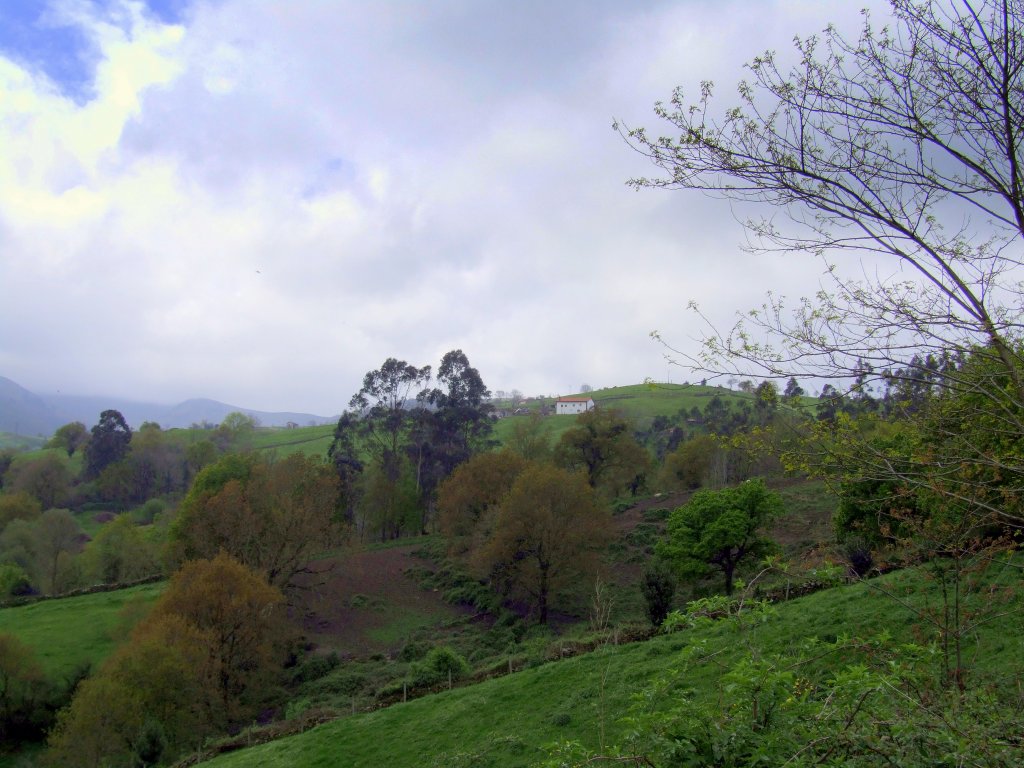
x: 578, y: 404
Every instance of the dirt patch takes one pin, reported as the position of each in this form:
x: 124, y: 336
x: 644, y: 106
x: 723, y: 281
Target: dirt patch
x: 367, y: 604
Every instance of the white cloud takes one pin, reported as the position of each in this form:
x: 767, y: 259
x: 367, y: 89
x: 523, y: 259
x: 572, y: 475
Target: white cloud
x: 264, y: 205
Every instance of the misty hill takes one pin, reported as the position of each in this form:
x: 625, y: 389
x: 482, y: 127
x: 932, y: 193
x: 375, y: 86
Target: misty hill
x: 25, y: 413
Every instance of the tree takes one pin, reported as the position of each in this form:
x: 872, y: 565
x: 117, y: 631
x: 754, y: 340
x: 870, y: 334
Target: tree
x: 720, y: 529
x: 109, y: 443
x: 529, y: 437
x: 43, y: 546
x: 148, y: 703
x: 463, y: 413
x: 345, y: 455
x: 18, y: 506
x: 57, y: 537
x: 472, y: 490
x: 120, y: 553
x: 70, y: 437
x: 206, y: 658
x: 602, y: 445
x: 766, y: 402
x: 382, y: 402
x: 905, y: 145
x: 273, y: 516
x: 543, y: 536
x: 236, y: 432
x: 243, y: 618
x: 47, y: 478
x: 22, y: 686
x: 793, y: 391
x: 689, y: 466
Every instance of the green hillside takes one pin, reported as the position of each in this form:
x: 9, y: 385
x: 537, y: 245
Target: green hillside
x: 71, y: 633
x: 283, y: 442
x: 513, y: 720
x: 20, y: 442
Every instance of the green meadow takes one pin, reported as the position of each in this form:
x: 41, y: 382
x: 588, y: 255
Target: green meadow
x: 72, y: 633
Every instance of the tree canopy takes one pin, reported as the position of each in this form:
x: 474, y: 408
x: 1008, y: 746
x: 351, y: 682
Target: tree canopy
x: 543, y: 535
x: 720, y: 529
x: 109, y: 443
x: 273, y: 516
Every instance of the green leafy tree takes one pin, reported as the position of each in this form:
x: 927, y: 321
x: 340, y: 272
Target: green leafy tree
x: 383, y: 404
x: 602, y: 445
x: 119, y: 553
x: 720, y: 529
x: 529, y: 437
x: 70, y: 437
x: 18, y: 506
x: 793, y: 391
x: 44, y: 547
x: 108, y: 444
x: 689, y: 466
x: 236, y: 432
x: 46, y: 477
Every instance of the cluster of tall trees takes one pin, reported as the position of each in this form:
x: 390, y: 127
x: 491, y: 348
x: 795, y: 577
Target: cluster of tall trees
x: 401, y: 437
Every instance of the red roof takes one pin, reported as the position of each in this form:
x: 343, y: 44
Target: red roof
x: 574, y: 399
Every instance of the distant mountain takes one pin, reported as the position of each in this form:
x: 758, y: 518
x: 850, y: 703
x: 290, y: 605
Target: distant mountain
x: 25, y: 413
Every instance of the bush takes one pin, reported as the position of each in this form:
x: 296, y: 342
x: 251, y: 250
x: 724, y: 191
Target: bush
x: 658, y: 587
x: 315, y: 667
x: 657, y: 515
x: 150, y: 511
x: 437, y: 665
x: 857, y: 551
x: 14, y: 582
x: 342, y: 682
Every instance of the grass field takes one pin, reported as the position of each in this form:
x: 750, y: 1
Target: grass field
x: 73, y: 632
x: 512, y: 720
x: 283, y: 442
x: 20, y: 442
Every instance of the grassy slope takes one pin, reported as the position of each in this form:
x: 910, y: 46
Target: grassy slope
x: 283, y: 442
x: 20, y: 442
x: 72, y: 632
x: 509, y: 721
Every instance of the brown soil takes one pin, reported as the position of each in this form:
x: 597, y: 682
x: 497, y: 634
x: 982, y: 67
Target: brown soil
x: 352, y: 607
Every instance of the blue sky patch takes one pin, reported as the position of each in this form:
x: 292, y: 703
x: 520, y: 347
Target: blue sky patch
x: 37, y: 38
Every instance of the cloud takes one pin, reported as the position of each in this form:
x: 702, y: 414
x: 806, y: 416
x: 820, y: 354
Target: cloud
x: 262, y: 201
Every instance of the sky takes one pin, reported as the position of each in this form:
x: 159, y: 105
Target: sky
x: 259, y: 202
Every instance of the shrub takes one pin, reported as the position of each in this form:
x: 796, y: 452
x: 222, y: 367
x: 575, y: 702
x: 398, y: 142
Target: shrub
x: 437, y: 665
x: 315, y: 667
x: 658, y: 587
x: 150, y: 511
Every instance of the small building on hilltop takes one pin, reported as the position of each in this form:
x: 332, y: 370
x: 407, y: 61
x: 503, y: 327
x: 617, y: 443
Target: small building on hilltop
x: 577, y: 404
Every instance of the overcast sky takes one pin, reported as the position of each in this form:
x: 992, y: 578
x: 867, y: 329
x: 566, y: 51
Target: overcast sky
x: 259, y: 201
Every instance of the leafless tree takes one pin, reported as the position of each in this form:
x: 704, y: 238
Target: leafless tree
x: 904, y: 146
